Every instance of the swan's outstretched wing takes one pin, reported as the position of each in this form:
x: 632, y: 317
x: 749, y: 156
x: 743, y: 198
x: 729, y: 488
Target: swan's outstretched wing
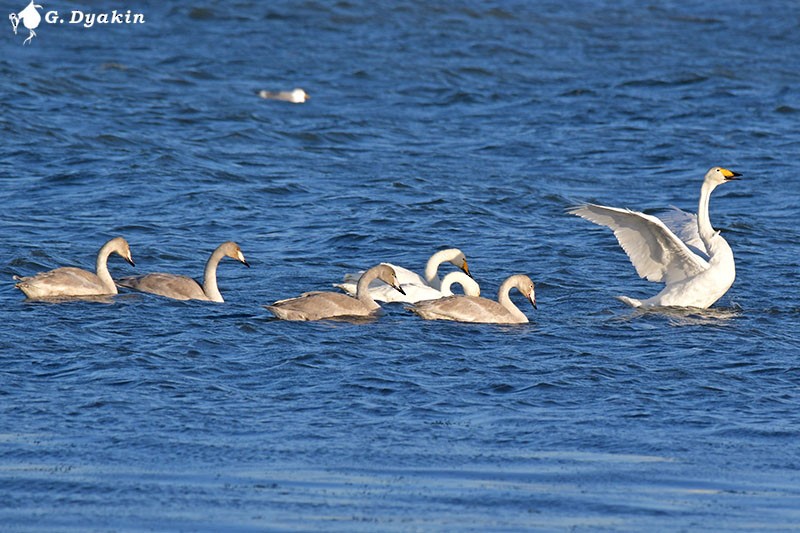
x: 684, y: 225
x: 656, y: 253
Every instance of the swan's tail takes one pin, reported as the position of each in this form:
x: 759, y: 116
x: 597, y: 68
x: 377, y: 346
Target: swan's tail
x: 633, y: 302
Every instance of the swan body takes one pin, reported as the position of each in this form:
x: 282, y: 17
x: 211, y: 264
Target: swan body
x: 326, y: 305
x: 71, y: 282
x: 478, y: 309
x: 296, y: 96
x: 415, y: 287
x: 180, y: 287
x: 696, y: 267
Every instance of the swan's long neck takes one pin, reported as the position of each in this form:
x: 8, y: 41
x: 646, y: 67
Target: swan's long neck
x: 101, y: 267
x: 703, y: 219
x: 210, y: 276
x: 504, y: 299
x: 362, y: 289
x: 432, y: 269
x: 468, y: 284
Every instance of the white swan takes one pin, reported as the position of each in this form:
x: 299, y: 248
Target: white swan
x: 71, y: 281
x: 415, y: 287
x: 324, y: 305
x: 478, y: 309
x: 183, y: 287
x: 297, y: 96
x: 693, y: 279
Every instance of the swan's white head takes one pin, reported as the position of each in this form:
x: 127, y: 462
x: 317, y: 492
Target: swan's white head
x: 456, y: 257
x: 719, y: 175
x: 299, y: 96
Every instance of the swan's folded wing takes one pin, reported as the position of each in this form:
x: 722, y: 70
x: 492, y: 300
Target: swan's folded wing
x: 295, y: 298
x: 656, y: 253
x: 404, y: 277
x: 65, y: 280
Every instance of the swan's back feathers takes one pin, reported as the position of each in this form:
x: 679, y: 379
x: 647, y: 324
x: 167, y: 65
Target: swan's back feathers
x: 63, y: 281
x: 464, y: 309
x: 655, y: 251
x: 169, y: 285
x: 404, y: 277
x: 319, y: 305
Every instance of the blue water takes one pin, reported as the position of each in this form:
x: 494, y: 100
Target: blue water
x: 431, y: 124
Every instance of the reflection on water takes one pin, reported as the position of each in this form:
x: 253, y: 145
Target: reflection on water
x: 102, y: 299
x: 686, y: 316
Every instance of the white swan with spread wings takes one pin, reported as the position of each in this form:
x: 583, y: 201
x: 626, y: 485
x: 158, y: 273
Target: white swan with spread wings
x: 697, y: 267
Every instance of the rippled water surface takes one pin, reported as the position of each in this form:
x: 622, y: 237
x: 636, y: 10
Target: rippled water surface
x: 430, y: 125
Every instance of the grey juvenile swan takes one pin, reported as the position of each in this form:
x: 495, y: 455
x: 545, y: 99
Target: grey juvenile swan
x: 324, y: 305
x: 70, y: 281
x: 478, y: 309
x: 183, y: 287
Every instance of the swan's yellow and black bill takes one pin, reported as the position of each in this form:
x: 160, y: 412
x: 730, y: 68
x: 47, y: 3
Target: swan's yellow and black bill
x: 465, y: 268
x: 729, y: 174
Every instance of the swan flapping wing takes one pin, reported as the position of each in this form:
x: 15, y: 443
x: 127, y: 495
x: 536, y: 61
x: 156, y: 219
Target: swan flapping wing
x: 655, y: 251
x: 684, y: 225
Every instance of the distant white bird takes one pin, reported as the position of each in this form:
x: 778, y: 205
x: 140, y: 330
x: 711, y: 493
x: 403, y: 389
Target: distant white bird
x: 693, y: 278
x: 415, y: 287
x: 297, y: 96
x: 478, y: 309
x: 67, y: 282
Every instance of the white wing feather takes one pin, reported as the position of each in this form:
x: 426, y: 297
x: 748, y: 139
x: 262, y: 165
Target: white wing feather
x: 404, y: 277
x: 684, y: 225
x: 655, y: 251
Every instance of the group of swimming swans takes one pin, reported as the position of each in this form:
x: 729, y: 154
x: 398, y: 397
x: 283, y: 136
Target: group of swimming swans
x: 693, y: 261
x: 71, y: 282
